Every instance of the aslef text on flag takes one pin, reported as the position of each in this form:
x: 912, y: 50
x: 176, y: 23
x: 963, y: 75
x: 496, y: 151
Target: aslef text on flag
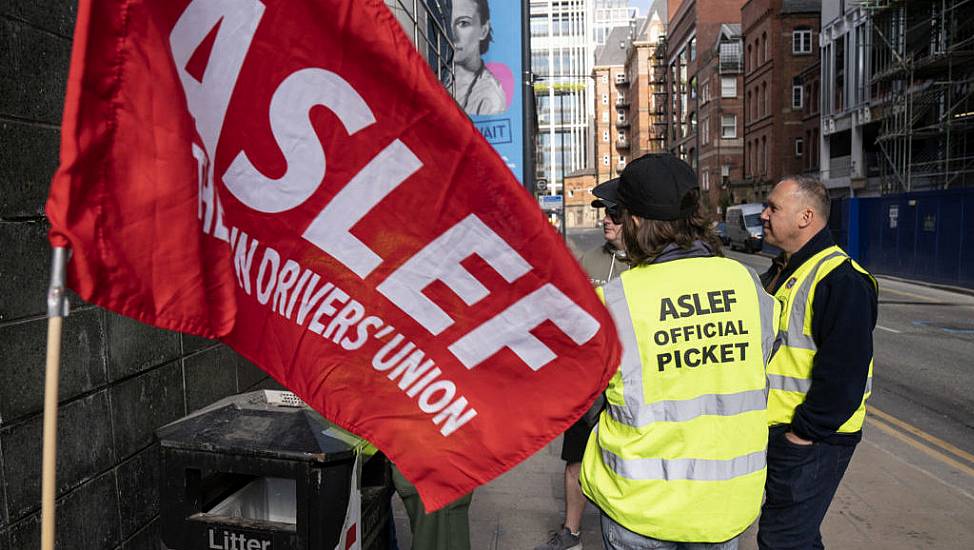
x: 290, y: 177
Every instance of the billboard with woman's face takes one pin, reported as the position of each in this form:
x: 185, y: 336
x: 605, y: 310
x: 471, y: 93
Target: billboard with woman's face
x: 488, y: 68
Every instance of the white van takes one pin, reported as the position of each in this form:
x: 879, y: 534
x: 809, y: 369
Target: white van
x: 744, y: 227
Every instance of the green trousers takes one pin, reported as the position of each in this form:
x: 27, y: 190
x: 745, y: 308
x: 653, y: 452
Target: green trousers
x: 445, y: 529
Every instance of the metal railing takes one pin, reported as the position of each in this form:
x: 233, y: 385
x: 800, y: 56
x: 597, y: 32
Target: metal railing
x: 731, y: 57
x: 731, y: 66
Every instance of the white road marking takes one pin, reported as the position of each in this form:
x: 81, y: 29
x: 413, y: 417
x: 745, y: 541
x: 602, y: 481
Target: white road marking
x: 893, y: 330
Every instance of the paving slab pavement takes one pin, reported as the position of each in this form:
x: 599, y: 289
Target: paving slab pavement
x: 896, y: 495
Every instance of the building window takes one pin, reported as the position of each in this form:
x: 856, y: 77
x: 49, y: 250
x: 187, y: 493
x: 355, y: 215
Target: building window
x: 604, y: 79
x: 705, y: 131
x: 764, y: 155
x: 605, y: 160
x: 725, y: 171
x: 838, y: 86
x: 705, y: 92
x: 605, y: 99
x: 815, y: 98
x: 801, y: 41
x: 860, y: 63
x: 757, y: 158
x: 797, y: 96
x: 799, y: 147
x: 764, y: 42
x: 705, y: 180
x: 728, y: 86
x: 693, y: 48
x: 539, y: 26
x: 605, y: 135
x: 749, y: 158
x: 815, y: 152
x: 728, y: 126
x: 764, y: 99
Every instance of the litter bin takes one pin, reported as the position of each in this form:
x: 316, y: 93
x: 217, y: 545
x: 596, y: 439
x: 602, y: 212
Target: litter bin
x: 262, y: 471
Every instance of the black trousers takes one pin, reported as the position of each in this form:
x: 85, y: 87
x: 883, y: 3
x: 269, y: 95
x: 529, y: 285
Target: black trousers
x: 802, y: 479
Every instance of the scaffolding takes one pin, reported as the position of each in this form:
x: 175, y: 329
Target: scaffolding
x: 922, y: 91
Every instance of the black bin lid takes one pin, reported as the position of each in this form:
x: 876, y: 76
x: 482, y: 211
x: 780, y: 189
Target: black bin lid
x: 261, y: 424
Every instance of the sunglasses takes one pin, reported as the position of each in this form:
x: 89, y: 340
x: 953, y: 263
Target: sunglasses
x: 615, y: 214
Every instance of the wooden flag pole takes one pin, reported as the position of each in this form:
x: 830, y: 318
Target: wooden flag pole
x: 57, y: 309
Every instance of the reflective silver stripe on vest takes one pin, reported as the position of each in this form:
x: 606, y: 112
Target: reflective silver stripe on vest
x: 693, y: 469
x: 795, y: 337
x: 768, y: 323
x: 801, y: 385
x: 635, y: 412
x: 715, y: 404
x: 789, y: 383
x: 631, y: 368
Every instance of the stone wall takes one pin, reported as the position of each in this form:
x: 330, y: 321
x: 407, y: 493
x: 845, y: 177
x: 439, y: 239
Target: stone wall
x: 120, y: 380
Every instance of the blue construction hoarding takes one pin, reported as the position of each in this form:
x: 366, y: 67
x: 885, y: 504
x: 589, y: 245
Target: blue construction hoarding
x: 926, y: 236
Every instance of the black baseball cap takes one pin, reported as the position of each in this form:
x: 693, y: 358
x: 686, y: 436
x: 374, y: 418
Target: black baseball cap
x: 604, y: 201
x: 655, y: 186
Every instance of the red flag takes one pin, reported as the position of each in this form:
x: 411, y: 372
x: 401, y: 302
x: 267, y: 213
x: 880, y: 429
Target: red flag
x: 290, y: 177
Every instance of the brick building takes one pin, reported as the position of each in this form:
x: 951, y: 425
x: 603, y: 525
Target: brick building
x: 693, y: 25
x: 639, y: 70
x: 810, y: 79
x: 721, y: 114
x: 578, y: 199
x: 660, y: 104
x: 779, y: 38
x: 612, y: 124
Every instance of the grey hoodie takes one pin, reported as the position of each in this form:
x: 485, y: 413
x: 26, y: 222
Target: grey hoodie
x: 603, y: 263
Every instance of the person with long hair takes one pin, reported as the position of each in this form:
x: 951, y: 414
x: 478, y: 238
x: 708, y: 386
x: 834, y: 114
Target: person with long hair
x: 602, y: 263
x: 677, y: 459
x: 476, y: 90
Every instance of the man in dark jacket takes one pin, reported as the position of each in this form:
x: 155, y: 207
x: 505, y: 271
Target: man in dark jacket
x: 821, y: 376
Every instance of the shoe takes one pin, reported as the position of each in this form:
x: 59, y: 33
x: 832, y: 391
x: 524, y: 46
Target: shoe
x: 563, y: 539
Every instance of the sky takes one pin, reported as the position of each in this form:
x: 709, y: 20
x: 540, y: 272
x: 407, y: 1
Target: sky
x: 643, y: 6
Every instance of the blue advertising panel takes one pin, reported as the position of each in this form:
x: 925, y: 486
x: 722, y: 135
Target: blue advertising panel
x: 488, y: 82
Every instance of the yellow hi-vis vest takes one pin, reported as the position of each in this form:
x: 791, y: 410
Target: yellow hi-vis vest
x: 679, y: 453
x: 790, y: 372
